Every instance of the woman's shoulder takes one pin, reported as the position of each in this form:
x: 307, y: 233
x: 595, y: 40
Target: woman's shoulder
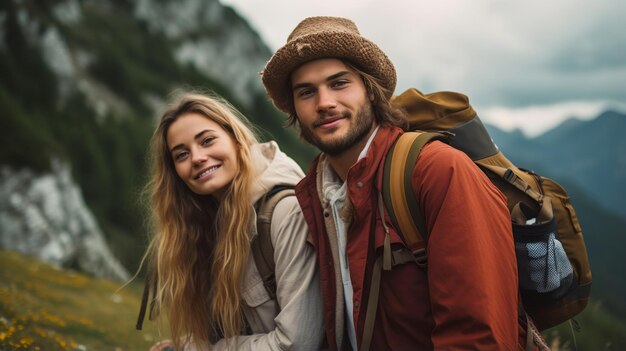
x: 286, y: 213
x: 287, y: 221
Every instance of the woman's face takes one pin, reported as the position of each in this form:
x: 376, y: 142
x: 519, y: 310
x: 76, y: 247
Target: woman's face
x: 204, y: 154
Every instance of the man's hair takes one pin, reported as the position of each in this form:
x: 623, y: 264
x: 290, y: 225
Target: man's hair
x: 385, y: 113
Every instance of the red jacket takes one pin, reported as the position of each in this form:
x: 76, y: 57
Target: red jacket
x: 466, y: 298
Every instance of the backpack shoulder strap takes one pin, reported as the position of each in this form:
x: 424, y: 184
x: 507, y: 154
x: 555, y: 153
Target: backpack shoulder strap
x: 261, y: 246
x: 398, y: 195
x: 406, y: 216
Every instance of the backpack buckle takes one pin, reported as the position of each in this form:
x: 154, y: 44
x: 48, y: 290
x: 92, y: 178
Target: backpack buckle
x: 270, y: 286
x: 510, y: 176
x: 421, y: 257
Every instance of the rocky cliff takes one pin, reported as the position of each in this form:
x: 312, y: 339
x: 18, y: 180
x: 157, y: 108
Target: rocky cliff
x: 82, y: 82
x: 45, y: 216
x: 213, y: 39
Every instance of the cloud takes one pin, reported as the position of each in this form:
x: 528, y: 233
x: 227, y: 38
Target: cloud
x: 535, y: 119
x: 517, y: 56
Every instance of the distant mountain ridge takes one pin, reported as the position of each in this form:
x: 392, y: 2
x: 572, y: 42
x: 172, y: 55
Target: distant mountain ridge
x: 591, y: 154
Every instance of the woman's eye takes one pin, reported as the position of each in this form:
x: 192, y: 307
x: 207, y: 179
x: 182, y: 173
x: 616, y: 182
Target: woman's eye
x: 207, y: 141
x: 180, y: 155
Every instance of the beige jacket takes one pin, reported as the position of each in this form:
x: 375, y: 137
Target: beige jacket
x: 294, y: 320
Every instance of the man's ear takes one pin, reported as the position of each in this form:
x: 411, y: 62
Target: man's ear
x: 368, y: 90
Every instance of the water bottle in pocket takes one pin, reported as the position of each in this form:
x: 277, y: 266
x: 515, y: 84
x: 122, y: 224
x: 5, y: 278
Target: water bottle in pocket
x: 545, y: 273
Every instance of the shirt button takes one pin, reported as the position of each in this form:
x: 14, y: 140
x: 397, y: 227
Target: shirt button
x: 359, y: 185
x: 356, y: 304
x: 326, y: 214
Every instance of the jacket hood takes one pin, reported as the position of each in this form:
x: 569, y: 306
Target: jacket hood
x: 273, y: 167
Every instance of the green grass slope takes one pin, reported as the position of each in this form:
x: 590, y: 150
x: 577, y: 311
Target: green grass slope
x: 596, y: 328
x: 45, y: 308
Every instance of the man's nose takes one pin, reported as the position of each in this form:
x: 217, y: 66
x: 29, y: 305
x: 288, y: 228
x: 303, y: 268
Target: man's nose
x: 325, y: 100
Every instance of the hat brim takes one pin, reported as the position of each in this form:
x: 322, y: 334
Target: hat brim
x: 354, y: 48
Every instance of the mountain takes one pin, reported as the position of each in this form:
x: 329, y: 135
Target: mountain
x: 590, y: 153
x: 593, y: 151
x: 83, y: 81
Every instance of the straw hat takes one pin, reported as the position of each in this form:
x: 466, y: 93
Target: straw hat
x: 324, y: 37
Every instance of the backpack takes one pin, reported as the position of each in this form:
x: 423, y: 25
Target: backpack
x: 553, y: 266
x: 261, y: 248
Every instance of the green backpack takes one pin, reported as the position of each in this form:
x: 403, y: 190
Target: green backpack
x: 545, y: 226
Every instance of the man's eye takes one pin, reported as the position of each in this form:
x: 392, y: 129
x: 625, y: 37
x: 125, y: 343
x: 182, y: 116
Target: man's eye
x: 339, y: 83
x: 305, y: 92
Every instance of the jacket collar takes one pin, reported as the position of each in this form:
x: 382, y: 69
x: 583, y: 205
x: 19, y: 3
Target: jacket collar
x: 367, y: 167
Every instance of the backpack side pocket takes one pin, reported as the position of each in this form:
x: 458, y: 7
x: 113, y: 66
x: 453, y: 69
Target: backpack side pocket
x: 545, y: 273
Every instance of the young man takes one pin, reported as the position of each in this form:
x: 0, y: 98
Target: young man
x: 336, y: 85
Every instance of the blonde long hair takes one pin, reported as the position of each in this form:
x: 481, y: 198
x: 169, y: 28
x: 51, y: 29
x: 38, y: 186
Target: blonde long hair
x: 200, y: 247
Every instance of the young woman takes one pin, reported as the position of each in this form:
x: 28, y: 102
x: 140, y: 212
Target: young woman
x: 208, y: 171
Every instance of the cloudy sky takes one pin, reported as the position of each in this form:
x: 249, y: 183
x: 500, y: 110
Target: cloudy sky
x: 524, y: 64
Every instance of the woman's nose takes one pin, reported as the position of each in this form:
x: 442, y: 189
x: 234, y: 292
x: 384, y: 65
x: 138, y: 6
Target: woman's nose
x: 198, y: 157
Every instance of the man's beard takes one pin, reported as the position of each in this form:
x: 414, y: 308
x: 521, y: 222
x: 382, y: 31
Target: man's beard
x: 360, y: 127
